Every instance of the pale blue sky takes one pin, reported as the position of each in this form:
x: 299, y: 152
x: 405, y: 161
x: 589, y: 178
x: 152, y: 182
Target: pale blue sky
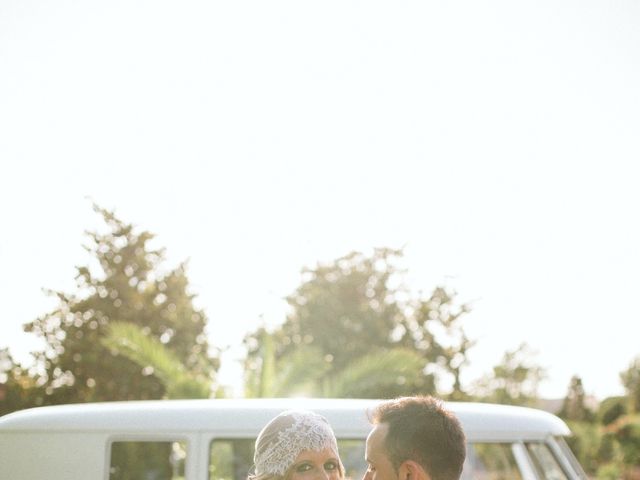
x: 497, y: 141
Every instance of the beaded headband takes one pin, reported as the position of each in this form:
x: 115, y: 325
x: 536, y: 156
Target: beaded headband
x: 307, y: 431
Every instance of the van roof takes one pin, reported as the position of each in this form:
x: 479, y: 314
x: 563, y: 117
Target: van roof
x: 245, y: 417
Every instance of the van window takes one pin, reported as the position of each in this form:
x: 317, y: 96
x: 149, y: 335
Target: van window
x: 232, y: 459
x: 490, y: 461
x: 545, y: 462
x: 147, y: 460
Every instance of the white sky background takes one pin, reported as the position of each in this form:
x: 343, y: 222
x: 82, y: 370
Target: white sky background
x: 497, y: 140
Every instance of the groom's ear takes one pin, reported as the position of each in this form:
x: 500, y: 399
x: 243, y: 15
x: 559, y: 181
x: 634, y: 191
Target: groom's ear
x: 410, y: 470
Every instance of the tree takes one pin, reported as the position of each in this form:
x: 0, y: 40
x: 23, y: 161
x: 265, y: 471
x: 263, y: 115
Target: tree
x: 303, y: 372
x: 589, y: 445
x: 620, y: 416
x: 574, y: 406
x: 447, y: 351
x: 357, y: 306
x: 344, y: 308
x: 18, y: 389
x: 383, y: 374
x: 611, y: 409
x: 123, y: 282
x: 627, y: 434
x: 514, y: 381
x: 130, y: 341
x: 631, y: 380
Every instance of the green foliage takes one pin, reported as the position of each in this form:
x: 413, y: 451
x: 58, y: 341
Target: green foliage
x: 627, y: 432
x: 608, y: 445
x: 631, y: 380
x: 356, y: 307
x: 433, y: 328
x: 585, y: 443
x: 299, y: 373
x: 344, y: 308
x: 607, y: 450
x: 304, y: 373
x: 574, y: 405
x: 18, y: 387
x: 609, y: 471
x: 130, y: 341
x: 611, y: 409
x: 514, y: 381
x: 380, y: 375
x: 123, y: 282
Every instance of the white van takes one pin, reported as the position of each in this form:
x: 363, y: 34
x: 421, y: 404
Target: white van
x: 213, y: 440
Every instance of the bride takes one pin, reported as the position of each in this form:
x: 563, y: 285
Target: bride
x: 297, y: 445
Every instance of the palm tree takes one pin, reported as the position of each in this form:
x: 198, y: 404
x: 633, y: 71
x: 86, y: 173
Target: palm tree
x: 376, y: 375
x: 130, y: 340
x: 307, y: 372
x: 304, y: 372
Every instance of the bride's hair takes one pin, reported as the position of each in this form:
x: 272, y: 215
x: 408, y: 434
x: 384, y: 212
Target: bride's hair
x: 285, y: 437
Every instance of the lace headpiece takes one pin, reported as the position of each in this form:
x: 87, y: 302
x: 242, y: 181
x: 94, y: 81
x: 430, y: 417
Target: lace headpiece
x: 283, y: 438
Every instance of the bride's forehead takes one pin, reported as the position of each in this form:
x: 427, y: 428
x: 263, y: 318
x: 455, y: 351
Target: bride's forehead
x: 314, y: 455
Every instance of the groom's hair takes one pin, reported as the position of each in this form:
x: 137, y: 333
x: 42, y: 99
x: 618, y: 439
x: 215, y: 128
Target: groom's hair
x: 422, y: 430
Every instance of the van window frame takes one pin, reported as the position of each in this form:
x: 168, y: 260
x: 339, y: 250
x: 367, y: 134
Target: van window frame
x: 519, y: 450
x: 189, y: 441
x: 565, y: 457
x: 558, y: 455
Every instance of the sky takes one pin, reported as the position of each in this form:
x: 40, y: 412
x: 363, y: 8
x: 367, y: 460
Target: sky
x: 496, y: 141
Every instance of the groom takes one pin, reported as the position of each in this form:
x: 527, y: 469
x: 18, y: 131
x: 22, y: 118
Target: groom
x: 414, y: 438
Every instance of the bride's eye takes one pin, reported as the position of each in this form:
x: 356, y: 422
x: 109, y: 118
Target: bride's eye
x: 331, y: 465
x: 303, y: 467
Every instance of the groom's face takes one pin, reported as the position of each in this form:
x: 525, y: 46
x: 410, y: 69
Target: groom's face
x: 379, y: 467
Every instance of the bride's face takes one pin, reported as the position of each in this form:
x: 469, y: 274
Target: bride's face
x: 311, y: 465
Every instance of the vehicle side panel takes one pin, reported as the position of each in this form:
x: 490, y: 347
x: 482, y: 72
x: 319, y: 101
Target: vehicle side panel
x: 47, y: 456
